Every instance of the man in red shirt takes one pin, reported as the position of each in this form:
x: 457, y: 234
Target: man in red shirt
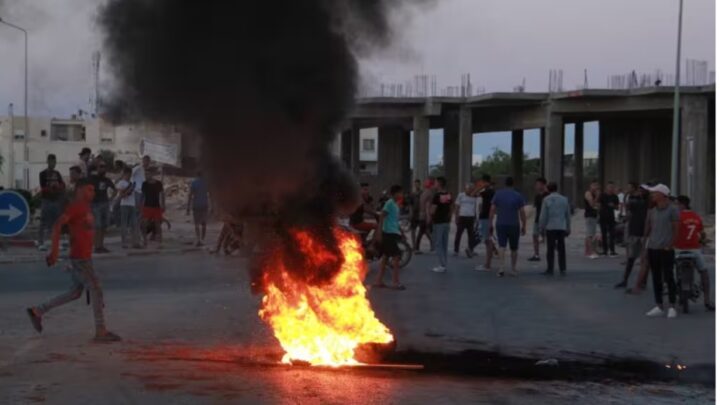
x: 79, y: 219
x: 689, y: 244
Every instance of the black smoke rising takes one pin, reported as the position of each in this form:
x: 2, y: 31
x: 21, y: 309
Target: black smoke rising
x: 265, y: 83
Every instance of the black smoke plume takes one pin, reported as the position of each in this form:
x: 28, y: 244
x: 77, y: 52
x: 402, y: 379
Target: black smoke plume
x: 266, y: 84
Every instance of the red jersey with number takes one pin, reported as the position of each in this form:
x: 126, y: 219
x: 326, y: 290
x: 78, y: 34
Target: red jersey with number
x: 691, y: 228
x: 82, y: 229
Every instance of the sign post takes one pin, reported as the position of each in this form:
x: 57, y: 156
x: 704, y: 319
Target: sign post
x: 14, y: 213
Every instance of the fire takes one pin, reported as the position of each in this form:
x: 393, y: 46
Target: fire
x: 322, y: 325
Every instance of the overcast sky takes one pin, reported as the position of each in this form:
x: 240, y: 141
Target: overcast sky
x: 499, y: 42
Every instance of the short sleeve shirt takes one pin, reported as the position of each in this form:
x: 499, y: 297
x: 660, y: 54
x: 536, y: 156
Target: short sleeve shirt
x: 391, y: 222
x: 199, y: 190
x: 53, y: 187
x: 487, y: 196
x: 661, y: 231
x: 691, y: 228
x: 508, y: 204
x: 82, y: 230
x: 102, y: 184
x: 128, y: 201
x: 538, y: 205
x: 443, y: 202
x: 467, y: 205
x: 151, y: 193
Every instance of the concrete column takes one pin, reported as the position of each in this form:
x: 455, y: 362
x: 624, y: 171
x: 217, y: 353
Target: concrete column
x: 693, y: 146
x: 578, y: 172
x: 553, y: 153
x: 517, y: 157
x: 421, y: 147
x: 466, y: 146
x: 393, y: 163
x: 542, y: 150
x: 451, y: 150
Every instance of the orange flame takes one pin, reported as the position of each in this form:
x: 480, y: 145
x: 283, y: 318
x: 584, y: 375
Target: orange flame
x: 322, y: 325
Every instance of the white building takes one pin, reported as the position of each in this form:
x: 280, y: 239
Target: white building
x: 65, y: 137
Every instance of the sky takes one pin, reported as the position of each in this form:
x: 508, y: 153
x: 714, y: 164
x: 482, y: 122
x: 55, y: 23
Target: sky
x: 499, y: 42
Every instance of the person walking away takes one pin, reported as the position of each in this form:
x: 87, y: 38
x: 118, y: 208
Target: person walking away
x: 609, y: 202
x: 439, y: 214
x: 486, y: 195
x: 199, y: 201
x: 425, y: 222
x: 85, y: 161
x: 415, y: 209
x: 689, y: 243
x: 554, y: 223
x: 52, y: 198
x: 635, y: 209
x: 591, y: 218
x: 387, y: 236
x: 153, y: 205
x: 364, y: 218
x: 509, y: 206
x: 138, y: 179
x: 661, y: 229
x: 79, y: 219
x: 465, y: 213
x: 101, y: 205
x: 541, y: 191
x: 128, y: 211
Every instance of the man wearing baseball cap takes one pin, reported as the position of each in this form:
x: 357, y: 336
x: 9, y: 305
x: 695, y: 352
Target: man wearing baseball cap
x: 661, y: 230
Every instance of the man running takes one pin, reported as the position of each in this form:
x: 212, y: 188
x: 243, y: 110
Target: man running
x: 101, y: 204
x: 689, y: 243
x: 661, y: 230
x: 609, y: 202
x: 79, y: 219
x: 591, y: 218
x: 387, y: 236
x: 440, y: 213
x: 52, y: 198
x: 636, y: 214
x: 541, y: 191
x: 465, y: 213
x: 509, y: 206
x: 486, y: 195
x: 199, y: 201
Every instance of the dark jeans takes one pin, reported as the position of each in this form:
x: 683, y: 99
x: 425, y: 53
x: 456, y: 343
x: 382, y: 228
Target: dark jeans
x: 555, y: 240
x: 423, y: 229
x: 465, y: 224
x: 607, y: 229
x: 662, y: 263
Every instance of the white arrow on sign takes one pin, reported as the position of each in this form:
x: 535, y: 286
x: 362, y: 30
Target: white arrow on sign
x: 12, y: 213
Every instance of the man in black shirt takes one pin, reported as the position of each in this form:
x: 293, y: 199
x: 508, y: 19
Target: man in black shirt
x: 101, y: 204
x: 636, y: 207
x: 541, y: 192
x: 440, y: 215
x: 486, y: 192
x: 153, y: 206
x: 609, y: 202
x: 52, y: 197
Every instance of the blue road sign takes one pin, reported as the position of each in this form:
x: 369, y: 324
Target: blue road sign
x: 14, y: 213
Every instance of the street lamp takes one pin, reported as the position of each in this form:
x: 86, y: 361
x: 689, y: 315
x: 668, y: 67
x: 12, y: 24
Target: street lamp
x: 25, y: 112
x: 676, y: 111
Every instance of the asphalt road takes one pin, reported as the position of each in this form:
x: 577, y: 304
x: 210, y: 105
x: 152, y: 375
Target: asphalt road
x: 192, y: 335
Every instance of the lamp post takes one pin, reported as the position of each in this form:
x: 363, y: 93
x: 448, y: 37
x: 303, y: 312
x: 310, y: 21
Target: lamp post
x: 676, y: 111
x: 25, y: 112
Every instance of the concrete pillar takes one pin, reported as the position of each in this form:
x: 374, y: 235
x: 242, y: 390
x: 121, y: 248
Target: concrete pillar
x: 578, y: 172
x: 542, y: 150
x: 421, y: 147
x: 554, y: 145
x: 693, y: 146
x: 466, y: 146
x: 393, y: 157
x: 451, y: 150
x: 517, y: 157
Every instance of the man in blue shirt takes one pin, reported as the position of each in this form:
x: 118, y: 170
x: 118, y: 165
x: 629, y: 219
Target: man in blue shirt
x: 199, y: 201
x: 387, y: 235
x: 509, y: 206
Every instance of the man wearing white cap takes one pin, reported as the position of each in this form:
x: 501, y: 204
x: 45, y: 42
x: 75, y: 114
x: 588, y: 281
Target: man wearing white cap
x: 661, y: 230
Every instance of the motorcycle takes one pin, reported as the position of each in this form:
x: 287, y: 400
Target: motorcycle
x: 688, y: 288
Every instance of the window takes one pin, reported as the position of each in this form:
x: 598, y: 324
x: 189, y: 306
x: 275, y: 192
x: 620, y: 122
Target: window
x: 43, y: 133
x: 67, y: 132
x: 368, y: 145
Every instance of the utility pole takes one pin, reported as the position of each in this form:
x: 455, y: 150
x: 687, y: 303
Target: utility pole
x: 676, y: 111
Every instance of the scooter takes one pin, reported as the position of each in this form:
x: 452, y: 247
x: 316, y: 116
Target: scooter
x: 688, y: 288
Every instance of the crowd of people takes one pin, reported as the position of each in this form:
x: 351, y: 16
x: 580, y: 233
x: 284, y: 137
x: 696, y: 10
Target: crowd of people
x: 653, y: 227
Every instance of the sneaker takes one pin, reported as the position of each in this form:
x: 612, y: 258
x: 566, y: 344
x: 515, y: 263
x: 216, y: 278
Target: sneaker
x: 35, y: 319
x: 535, y: 258
x: 613, y: 254
x: 655, y: 312
x: 42, y: 248
x: 439, y: 269
x: 514, y: 273
x: 593, y: 256
x: 671, y: 313
x: 481, y: 267
x: 107, y: 337
x: 501, y: 273
x: 621, y: 284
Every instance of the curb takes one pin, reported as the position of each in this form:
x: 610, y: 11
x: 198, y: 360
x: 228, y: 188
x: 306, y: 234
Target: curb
x: 103, y: 256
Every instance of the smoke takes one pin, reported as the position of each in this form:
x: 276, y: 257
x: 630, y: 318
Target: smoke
x: 266, y: 84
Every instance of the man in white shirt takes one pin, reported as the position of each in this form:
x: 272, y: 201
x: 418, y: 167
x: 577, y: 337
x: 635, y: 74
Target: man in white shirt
x: 128, y: 209
x: 465, y: 213
x: 138, y: 178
